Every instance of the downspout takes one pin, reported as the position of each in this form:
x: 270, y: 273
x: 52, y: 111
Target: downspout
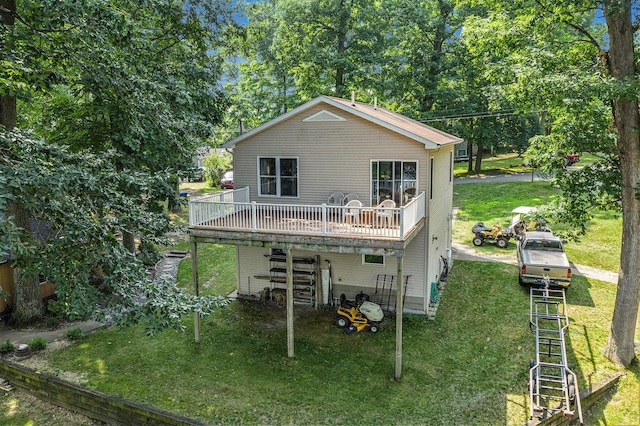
x: 399, y: 311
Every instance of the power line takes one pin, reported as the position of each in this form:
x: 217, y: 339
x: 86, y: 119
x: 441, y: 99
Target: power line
x: 486, y: 114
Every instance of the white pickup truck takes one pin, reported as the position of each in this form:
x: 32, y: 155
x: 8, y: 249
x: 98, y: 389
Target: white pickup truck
x: 540, y: 255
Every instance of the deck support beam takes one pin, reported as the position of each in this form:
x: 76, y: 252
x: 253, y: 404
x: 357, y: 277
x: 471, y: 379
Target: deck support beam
x: 290, y: 351
x: 196, y: 287
x: 399, y: 309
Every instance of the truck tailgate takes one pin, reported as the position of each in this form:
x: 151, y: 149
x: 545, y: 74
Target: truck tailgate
x: 544, y: 258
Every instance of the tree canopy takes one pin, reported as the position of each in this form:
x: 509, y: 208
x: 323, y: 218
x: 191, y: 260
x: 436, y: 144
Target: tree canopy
x: 117, y: 95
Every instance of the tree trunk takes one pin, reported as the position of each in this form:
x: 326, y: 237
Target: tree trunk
x: 27, y: 300
x: 7, y: 102
x: 470, y: 147
x: 173, y: 204
x: 620, y: 343
x: 129, y: 241
x: 342, y: 40
x: 478, y: 166
x: 8, y: 111
x: 341, y: 29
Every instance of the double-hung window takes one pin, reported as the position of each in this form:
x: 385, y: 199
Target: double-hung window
x: 278, y: 176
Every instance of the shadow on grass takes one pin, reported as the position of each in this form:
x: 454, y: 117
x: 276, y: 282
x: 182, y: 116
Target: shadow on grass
x: 579, y: 293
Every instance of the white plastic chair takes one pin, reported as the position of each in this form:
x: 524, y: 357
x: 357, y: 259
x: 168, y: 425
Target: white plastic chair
x: 409, y: 193
x: 349, y: 197
x: 384, y: 211
x: 335, y: 199
x: 352, y: 211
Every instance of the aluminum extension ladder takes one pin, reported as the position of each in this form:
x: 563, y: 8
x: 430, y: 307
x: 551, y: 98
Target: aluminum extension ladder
x: 553, y: 386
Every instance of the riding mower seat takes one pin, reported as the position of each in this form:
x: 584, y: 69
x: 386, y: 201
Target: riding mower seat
x: 481, y: 228
x: 345, y: 303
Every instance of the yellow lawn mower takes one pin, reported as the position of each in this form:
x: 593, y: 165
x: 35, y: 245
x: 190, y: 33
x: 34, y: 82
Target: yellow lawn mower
x: 355, y: 316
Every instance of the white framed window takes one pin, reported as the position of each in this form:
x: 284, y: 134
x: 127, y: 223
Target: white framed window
x: 372, y: 259
x: 278, y: 176
x: 393, y: 179
x: 462, y: 152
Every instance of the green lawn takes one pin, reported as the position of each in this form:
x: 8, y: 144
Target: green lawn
x: 492, y: 203
x: 506, y: 164
x: 498, y: 165
x: 469, y: 366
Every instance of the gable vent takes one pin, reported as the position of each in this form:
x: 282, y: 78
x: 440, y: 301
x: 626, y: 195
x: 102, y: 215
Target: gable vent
x: 324, y: 115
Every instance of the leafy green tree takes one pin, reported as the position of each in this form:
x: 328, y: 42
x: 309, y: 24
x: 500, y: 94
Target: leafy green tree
x: 136, y: 79
x: 78, y: 199
x: 215, y: 165
x: 295, y: 50
x: 583, y: 72
x: 420, y: 58
x: 27, y: 289
x: 408, y: 54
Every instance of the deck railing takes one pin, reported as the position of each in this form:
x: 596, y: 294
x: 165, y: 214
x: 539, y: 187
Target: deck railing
x: 232, y: 210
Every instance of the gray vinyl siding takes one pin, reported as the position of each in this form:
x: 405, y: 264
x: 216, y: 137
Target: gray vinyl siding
x: 333, y: 156
x: 336, y: 156
x: 438, y: 236
x: 350, y: 276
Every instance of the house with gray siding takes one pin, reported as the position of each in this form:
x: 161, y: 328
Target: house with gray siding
x: 291, y: 234
x: 335, y: 197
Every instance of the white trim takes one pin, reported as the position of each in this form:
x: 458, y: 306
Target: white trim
x: 353, y: 110
x: 431, y: 176
x: 324, y: 115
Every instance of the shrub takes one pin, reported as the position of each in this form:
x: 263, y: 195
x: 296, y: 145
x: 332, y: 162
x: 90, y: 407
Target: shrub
x: 74, y: 333
x: 37, y: 344
x: 6, y: 347
x: 51, y: 322
x: 148, y: 253
x: 216, y: 165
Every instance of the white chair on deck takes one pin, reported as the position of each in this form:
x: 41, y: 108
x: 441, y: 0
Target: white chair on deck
x: 352, y: 211
x: 335, y: 199
x: 384, y: 211
x: 349, y: 197
x: 409, y: 194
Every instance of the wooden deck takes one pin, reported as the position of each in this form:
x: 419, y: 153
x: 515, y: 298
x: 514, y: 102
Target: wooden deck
x: 223, y: 212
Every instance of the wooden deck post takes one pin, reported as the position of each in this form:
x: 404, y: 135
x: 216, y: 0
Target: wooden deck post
x: 290, y: 351
x: 399, y: 309
x: 196, y: 289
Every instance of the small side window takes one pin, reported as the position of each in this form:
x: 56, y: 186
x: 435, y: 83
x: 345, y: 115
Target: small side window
x: 372, y: 259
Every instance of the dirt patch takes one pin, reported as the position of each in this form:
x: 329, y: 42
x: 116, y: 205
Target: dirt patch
x: 21, y: 408
x: 38, y: 362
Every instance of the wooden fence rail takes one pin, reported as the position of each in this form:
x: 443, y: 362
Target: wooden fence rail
x: 88, y: 402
